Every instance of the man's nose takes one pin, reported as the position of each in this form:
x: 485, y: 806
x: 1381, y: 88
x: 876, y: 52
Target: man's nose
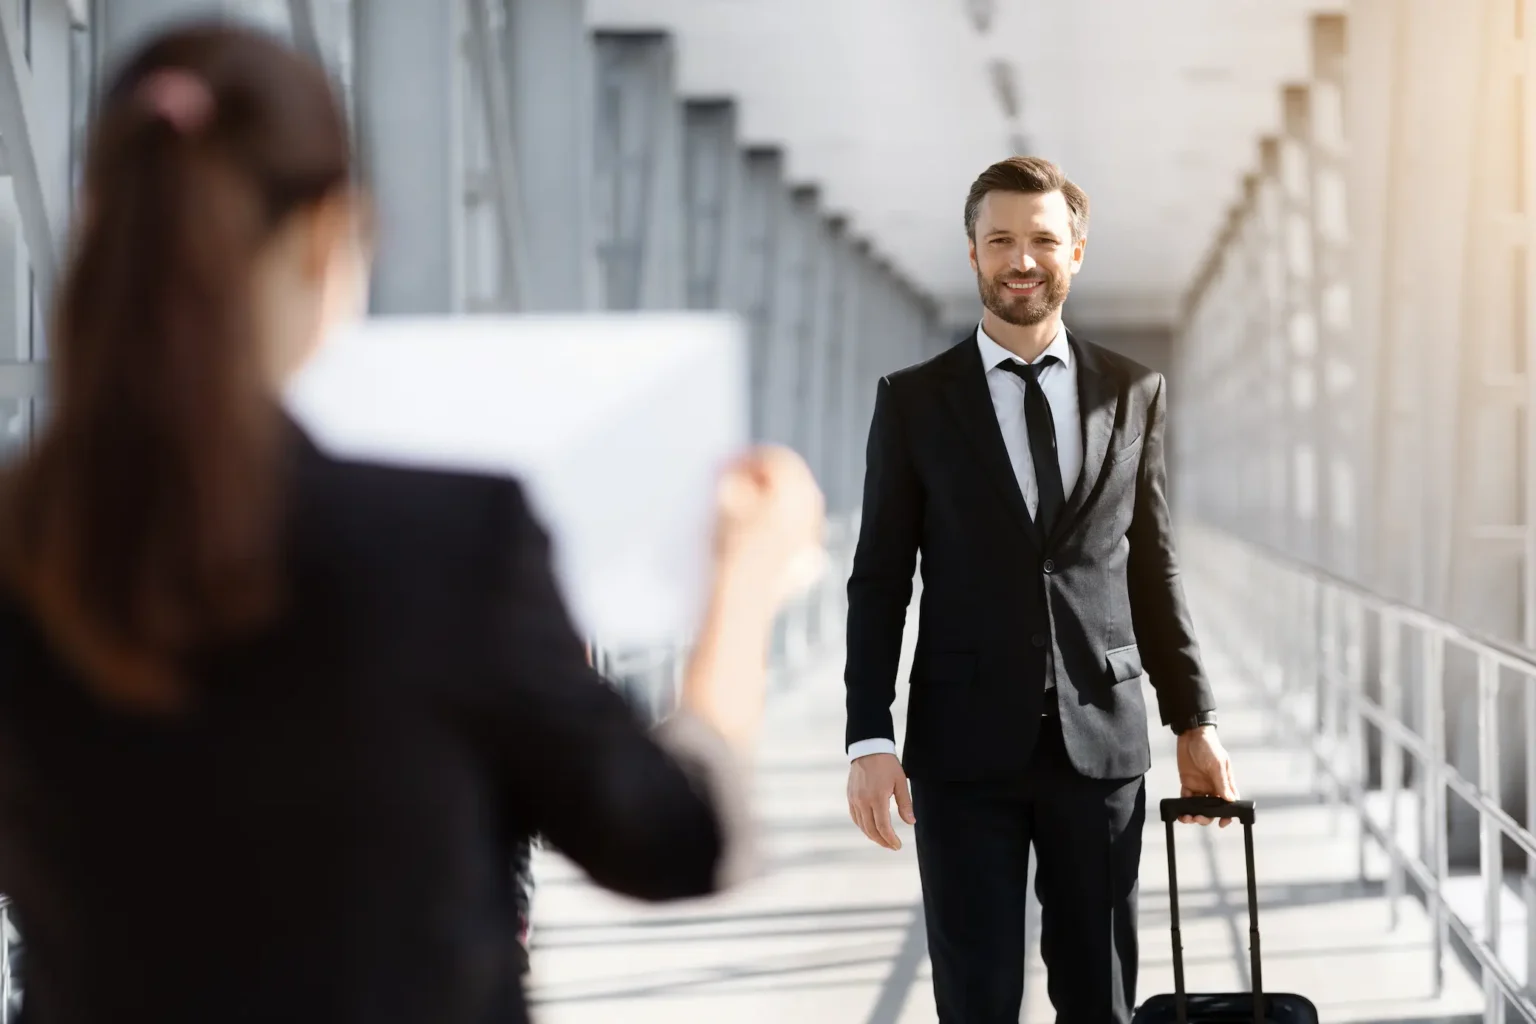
x: 1023, y: 262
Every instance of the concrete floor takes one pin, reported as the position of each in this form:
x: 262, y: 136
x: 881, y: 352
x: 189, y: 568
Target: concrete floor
x: 832, y: 933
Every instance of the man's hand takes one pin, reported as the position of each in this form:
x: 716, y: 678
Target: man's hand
x: 1204, y: 769
x: 872, y: 781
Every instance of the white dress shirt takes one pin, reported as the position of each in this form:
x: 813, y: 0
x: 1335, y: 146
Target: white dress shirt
x: 1059, y: 382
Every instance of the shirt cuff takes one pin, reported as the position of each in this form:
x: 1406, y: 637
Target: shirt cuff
x: 863, y: 748
x: 723, y: 776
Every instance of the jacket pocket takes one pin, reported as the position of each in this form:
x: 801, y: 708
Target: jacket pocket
x: 1121, y: 454
x: 1124, y: 663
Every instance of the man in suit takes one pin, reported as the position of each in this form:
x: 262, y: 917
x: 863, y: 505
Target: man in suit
x: 1026, y: 465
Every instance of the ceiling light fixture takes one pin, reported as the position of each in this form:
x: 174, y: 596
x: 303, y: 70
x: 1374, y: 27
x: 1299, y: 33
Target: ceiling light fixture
x: 1005, y: 87
x: 981, y: 12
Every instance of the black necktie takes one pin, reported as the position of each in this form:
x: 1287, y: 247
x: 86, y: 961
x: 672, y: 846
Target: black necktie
x: 1042, y: 441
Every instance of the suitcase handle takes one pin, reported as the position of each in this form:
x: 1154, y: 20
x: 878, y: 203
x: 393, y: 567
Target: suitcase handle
x: 1208, y: 807
x: 1212, y: 807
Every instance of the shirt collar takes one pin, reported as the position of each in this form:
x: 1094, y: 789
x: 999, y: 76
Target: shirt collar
x: 994, y: 355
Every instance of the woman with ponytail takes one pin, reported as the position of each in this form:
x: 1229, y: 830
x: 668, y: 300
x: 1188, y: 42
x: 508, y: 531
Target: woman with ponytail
x: 272, y: 724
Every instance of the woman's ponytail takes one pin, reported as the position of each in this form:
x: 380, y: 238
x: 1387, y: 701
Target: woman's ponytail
x: 146, y: 525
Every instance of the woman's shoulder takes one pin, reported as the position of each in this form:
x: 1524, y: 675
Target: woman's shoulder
x: 401, y: 487
x: 368, y: 512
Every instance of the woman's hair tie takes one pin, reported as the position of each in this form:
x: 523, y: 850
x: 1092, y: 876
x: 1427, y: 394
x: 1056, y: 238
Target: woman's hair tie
x: 179, y: 97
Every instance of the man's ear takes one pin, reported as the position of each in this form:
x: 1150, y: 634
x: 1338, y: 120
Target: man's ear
x: 970, y: 245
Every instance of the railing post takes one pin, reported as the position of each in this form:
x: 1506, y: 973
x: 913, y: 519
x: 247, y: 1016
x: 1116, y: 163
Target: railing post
x: 1310, y: 678
x: 1492, y: 836
x: 1392, y: 759
x: 5, y: 961
x: 1359, y: 747
x: 1330, y: 686
x: 1433, y: 721
x: 1528, y: 886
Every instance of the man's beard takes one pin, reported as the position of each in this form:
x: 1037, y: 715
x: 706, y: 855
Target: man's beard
x: 1024, y: 310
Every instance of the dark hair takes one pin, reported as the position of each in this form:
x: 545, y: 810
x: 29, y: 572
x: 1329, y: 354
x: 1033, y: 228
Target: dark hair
x: 1028, y: 174
x: 146, y: 522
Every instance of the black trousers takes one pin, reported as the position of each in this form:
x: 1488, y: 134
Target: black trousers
x: 973, y: 847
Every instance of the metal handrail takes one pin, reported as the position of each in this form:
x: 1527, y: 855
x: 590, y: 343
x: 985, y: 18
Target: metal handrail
x: 1510, y: 655
x: 1314, y: 631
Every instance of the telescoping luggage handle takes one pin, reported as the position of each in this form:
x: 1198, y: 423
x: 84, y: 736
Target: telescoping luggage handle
x: 1212, y: 807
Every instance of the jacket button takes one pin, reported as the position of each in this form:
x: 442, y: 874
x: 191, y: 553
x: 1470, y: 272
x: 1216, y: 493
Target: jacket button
x: 1038, y: 639
x: 1049, y: 567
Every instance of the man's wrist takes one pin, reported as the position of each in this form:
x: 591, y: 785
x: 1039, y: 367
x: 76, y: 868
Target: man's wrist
x: 872, y: 745
x: 1192, y: 722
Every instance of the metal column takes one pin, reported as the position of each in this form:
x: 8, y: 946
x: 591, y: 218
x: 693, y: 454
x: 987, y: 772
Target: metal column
x: 550, y: 70
x: 33, y: 168
x: 853, y: 386
x: 499, y: 176
x: 762, y: 185
x: 836, y: 341
x: 638, y: 171
x: 814, y: 272
x: 303, y: 29
x: 1301, y: 328
x: 712, y: 206
x: 817, y: 383
x: 410, y: 123
x: 1339, y: 366
x: 38, y: 108
x: 789, y: 304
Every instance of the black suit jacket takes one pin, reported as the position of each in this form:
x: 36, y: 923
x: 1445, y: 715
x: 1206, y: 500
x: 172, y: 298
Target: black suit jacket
x: 1101, y: 593
x: 327, y: 834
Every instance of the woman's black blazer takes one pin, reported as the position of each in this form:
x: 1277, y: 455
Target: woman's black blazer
x: 325, y: 834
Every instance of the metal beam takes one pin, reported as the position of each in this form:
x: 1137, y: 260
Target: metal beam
x: 16, y: 306
x: 762, y: 189
x: 853, y: 389
x: 841, y: 342
x: 712, y: 203
x: 551, y: 75
x: 301, y: 24
x: 639, y: 189
x: 1301, y: 325
x: 789, y: 301
x: 20, y: 134
x: 409, y: 126
x: 1340, y: 373
x: 50, y: 49
x: 806, y: 360
x: 487, y: 59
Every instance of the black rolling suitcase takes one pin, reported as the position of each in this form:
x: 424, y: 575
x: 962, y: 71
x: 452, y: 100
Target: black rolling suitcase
x: 1257, y: 1006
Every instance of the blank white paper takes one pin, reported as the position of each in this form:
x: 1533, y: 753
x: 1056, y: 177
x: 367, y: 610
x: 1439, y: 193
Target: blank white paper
x: 618, y: 426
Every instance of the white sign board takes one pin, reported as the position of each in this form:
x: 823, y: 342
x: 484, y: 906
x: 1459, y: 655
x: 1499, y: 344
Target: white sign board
x: 618, y: 426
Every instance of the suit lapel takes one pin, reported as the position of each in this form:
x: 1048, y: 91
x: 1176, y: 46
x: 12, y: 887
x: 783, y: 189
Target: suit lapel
x: 970, y: 401
x: 1098, y: 399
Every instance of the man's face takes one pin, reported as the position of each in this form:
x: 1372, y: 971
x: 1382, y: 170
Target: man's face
x: 1024, y: 254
